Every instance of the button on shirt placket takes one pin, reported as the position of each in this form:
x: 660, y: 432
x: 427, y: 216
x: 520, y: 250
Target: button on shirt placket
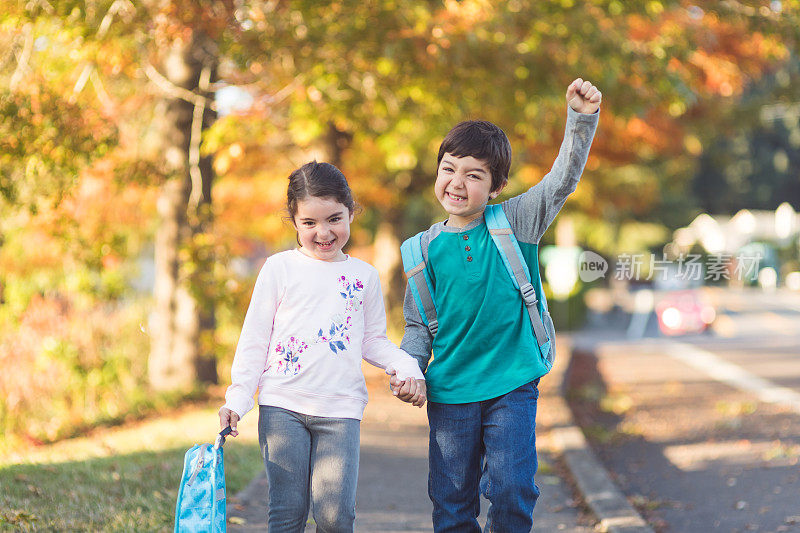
x: 469, y: 263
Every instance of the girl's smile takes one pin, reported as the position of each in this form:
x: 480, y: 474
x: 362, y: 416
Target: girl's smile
x: 323, y: 227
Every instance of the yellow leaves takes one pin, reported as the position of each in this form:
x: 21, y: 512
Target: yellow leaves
x: 303, y: 131
x: 401, y: 159
x: 236, y: 150
x: 615, y: 8
x: 530, y: 175
x: 468, y: 14
x: 677, y: 108
x: 654, y: 8
x: 385, y: 66
x: 226, y: 157
x: 693, y: 144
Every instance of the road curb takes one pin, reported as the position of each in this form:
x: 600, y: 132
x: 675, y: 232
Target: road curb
x: 612, y: 510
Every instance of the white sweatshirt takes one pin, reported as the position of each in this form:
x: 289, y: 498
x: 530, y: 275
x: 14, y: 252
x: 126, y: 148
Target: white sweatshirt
x: 309, y: 324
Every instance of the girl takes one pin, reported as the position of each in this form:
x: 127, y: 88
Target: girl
x: 314, y: 314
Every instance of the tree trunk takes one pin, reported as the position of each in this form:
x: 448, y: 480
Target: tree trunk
x: 398, y: 222
x: 181, y: 353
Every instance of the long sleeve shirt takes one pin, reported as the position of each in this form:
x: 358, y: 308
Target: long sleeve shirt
x: 308, y: 326
x: 485, y: 346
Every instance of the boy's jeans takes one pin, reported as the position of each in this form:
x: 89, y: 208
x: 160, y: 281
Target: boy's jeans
x: 491, y: 445
x: 300, y: 450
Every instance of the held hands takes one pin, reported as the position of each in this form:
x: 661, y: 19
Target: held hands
x: 228, y: 418
x: 413, y: 391
x: 583, y: 97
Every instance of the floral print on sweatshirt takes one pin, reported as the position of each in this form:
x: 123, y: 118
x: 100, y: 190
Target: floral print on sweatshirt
x: 289, y: 354
x: 349, y: 291
x: 337, y: 336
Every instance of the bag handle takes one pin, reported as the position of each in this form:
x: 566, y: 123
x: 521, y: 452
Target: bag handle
x: 221, y: 437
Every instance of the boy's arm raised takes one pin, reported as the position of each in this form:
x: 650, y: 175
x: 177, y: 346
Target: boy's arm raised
x: 532, y: 213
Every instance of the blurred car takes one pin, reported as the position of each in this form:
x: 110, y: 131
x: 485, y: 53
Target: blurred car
x: 684, y: 312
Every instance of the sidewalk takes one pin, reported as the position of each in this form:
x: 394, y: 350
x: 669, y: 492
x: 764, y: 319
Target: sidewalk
x: 392, y: 491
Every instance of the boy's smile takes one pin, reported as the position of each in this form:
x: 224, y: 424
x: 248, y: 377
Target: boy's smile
x: 463, y: 187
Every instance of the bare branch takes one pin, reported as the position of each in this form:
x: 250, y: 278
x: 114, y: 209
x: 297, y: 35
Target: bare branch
x: 285, y: 92
x: 119, y: 6
x: 100, y: 90
x: 194, y: 141
x: 24, y: 57
x: 174, y: 90
x: 44, y: 4
x: 88, y: 68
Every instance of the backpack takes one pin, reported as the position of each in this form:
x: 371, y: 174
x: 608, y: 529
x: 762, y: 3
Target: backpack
x: 201, y: 497
x: 419, y: 281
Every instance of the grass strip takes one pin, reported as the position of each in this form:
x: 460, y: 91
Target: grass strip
x: 125, y: 479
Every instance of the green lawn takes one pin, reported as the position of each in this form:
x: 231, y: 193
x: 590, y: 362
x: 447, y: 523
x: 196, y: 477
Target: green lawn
x: 123, y: 479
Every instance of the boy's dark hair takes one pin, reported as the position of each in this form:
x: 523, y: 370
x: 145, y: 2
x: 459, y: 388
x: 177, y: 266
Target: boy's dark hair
x: 481, y: 140
x: 321, y: 180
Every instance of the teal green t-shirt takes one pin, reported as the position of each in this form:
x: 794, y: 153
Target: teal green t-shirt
x: 485, y: 346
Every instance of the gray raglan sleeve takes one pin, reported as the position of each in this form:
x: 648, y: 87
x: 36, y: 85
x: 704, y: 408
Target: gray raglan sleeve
x: 532, y: 212
x: 417, y: 339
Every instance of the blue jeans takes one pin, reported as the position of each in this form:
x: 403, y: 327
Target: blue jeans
x: 488, y: 446
x: 309, y: 459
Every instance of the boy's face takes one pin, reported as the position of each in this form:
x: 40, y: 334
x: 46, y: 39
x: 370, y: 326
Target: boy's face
x: 463, y: 187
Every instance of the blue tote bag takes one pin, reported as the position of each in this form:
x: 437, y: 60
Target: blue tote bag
x: 201, y: 497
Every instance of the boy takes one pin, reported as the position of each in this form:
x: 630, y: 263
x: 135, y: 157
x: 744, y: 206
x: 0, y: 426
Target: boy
x: 482, y: 381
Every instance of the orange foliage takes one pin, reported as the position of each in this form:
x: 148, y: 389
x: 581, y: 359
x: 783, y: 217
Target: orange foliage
x: 99, y: 202
x: 250, y: 212
x: 728, y: 55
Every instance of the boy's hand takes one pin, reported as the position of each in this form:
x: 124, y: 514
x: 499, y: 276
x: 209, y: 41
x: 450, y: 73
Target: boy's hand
x: 584, y: 97
x: 411, y: 391
x: 228, y: 418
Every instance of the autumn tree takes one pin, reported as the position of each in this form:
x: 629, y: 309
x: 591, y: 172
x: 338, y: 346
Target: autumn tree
x: 145, y: 72
x: 375, y: 86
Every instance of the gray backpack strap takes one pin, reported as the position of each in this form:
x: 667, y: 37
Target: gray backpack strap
x: 506, y: 243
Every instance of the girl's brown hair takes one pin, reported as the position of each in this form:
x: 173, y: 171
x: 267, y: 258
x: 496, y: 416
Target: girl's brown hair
x: 321, y: 180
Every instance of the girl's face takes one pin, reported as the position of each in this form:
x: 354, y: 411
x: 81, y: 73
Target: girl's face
x: 323, y: 227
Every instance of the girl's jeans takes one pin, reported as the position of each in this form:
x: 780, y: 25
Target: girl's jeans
x: 309, y: 458
x: 488, y: 445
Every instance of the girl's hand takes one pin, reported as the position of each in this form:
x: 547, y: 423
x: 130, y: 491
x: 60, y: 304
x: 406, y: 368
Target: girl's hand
x: 228, y: 418
x: 411, y: 391
x: 583, y: 97
x: 403, y: 389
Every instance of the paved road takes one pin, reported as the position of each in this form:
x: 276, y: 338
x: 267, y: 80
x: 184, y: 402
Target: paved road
x: 392, y: 489
x: 702, y: 432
